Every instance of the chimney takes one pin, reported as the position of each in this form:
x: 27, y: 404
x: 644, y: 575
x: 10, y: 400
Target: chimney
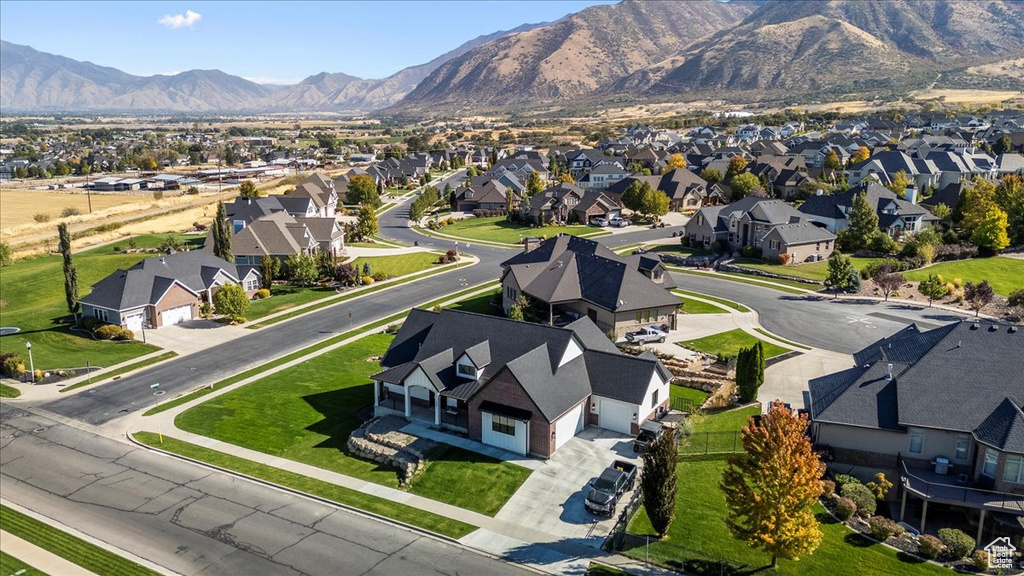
x: 820, y: 192
x: 910, y: 194
x: 530, y: 243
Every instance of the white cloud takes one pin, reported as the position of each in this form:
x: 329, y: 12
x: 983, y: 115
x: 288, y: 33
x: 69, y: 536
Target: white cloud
x: 186, y: 20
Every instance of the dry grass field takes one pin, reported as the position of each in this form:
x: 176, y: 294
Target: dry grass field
x: 967, y: 96
x: 18, y: 206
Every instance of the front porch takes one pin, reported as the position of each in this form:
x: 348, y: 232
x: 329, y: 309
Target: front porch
x: 420, y: 404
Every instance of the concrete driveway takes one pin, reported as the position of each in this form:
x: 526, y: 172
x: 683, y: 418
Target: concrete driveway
x: 192, y: 336
x: 787, y: 380
x: 551, y: 499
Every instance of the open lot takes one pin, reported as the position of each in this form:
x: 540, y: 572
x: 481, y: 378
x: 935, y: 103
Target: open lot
x: 498, y: 229
x: 315, y: 407
x: 699, y: 540
x: 729, y: 344
x: 19, y: 206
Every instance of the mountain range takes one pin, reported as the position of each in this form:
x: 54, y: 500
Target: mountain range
x: 751, y: 50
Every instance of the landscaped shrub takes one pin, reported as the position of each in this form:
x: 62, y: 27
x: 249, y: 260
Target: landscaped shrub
x: 107, y: 331
x: 379, y: 276
x: 90, y: 323
x: 929, y: 546
x: 448, y: 257
x: 783, y: 258
x: 882, y: 528
x: 750, y: 252
x: 954, y: 252
x: 13, y: 366
x: 205, y: 310
x: 845, y: 508
x: 861, y: 496
x: 367, y: 280
x: 828, y: 488
x: 958, y: 543
x: 980, y: 560
x: 844, y: 479
x: 261, y: 294
x: 124, y: 334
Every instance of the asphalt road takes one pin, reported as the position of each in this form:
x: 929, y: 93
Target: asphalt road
x: 192, y: 520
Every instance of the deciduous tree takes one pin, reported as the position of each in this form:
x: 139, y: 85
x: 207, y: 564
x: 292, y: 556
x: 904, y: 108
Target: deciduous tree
x: 772, y: 487
x: 363, y: 190
x: 933, y: 288
x: 675, y: 161
x: 862, y: 154
x: 990, y: 234
x: 658, y: 482
x: 1010, y: 198
x: 978, y: 295
x: 743, y: 184
x: 712, y: 175
x: 887, y: 280
x: 70, y: 272
x: 567, y: 178
x: 654, y: 203
x: 633, y: 195
x: 838, y: 277
x: 230, y: 300
x: 301, y: 269
x: 737, y: 164
x: 534, y: 184
x: 366, y: 223
x: 899, y: 183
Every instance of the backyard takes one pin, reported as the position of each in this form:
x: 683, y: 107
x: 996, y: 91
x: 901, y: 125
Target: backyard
x: 699, y: 540
x: 33, y: 300
x: 498, y: 229
x: 729, y: 344
x: 315, y: 409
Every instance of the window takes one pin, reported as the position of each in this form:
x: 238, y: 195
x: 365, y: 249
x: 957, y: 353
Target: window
x: 654, y: 398
x: 100, y: 314
x: 963, y: 448
x: 251, y: 285
x: 503, y: 424
x: 1014, y: 471
x: 466, y: 370
x: 916, y: 441
x: 991, y: 463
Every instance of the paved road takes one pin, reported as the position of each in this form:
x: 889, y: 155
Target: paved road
x: 192, y: 520
x: 841, y: 325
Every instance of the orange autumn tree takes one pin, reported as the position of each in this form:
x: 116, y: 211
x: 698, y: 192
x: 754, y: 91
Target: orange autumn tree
x: 771, y: 487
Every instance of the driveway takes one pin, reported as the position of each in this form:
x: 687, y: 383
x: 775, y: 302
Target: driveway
x: 551, y: 499
x: 192, y: 336
x: 787, y: 380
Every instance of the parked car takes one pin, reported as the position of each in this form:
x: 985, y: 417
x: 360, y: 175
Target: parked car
x: 650, y: 431
x: 602, y: 222
x: 604, y: 492
x: 619, y: 222
x: 645, y: 335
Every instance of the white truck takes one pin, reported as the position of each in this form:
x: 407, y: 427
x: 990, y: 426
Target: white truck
x: 646, y: 335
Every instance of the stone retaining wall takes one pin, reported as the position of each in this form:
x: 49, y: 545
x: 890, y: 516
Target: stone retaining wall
x: 756, y: 272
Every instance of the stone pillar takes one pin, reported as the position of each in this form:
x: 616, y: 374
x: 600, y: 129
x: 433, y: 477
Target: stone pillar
x: 376, y: 395
x: 437, y: 409
x: 408, y: 404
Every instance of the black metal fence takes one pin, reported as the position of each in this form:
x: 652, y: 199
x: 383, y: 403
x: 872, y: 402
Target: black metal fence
x: 692, y: 443
x: 614, y: 539
x: 684, y: 405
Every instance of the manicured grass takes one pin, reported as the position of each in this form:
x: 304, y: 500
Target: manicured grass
x: 284, y: 297
x: 729, y: 344
x: 699, y: 533
x: 71, y: 548
x: 398, y: 264
x: 458, y: 475
x: 33, y: 292
x: 315, y: 410
x: 691, y: 306
x: 482, y: 304
x: 9, y: 391
x: 10, y: 565
x: 775, y: 283
x: 122, y: 370
x: 691, y: 394
x: 809, y: 270
x: 1004, y: 274
x: 601, y: 570
x: 498, y: 229
x: 333, y: 492
x: 725, y: 303
x: 678, y: 250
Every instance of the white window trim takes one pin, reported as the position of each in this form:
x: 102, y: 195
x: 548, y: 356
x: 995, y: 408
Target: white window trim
x: 1019, y: 460
x: 991, y: 457
x: 919, y: 435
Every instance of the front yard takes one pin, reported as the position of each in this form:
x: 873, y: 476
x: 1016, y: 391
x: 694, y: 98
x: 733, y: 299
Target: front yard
x: 315, y: 407
x: 816, y: 271
x: 32, y: 292
x: 498, y: 229
x: 398, y: 264
x: 699, y: 539
x: 729, y: 344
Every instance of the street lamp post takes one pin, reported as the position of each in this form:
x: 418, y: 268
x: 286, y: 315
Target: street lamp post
x: 31, y: 364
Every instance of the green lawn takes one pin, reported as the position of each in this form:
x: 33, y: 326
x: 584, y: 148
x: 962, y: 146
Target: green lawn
x: 691, y: 394
x: 284, y: 297
x: 123, y: 370
x: 333, y: 492
x: 691, y: 306
x: 9, y: 391
x: 397, y: 265
x: 725, y: 303
x: 809, y: 270
x: 787, y: 286
x: 315, y: 406
x: 86, y: 555
x: 729, y: 344
x: 698, y: 536
x: 482, y: 304
x: 1004, y: 274
x: 678, y: 249
x: 33, y: 294
x: 498, y: 229
x: 10, y: 565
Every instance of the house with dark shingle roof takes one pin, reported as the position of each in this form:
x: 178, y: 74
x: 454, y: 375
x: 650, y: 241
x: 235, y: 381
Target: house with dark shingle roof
x: 895, y: 215
x: 523, y: 387
x: 570, y: 277
x: 164, y: 290
x: 565, y: 202
x: 942, y: 408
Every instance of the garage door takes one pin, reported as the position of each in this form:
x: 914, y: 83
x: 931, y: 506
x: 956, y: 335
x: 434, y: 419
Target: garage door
x: 617, y: 417
x: 568, y: 426
x: 177, y: 315
x: 133, y: 322
x: 497, y: 431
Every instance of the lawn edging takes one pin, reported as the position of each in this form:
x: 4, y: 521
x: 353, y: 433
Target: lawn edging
x: 300, y: 493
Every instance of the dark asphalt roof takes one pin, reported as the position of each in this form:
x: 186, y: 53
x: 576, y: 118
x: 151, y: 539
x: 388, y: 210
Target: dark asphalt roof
x: 959, y: 377
x: 148, y: 280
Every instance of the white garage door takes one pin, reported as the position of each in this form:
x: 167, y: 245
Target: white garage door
x: 496, y: 431
x: 615, y: 416
x: 176, y: 315
x: 133, y: 322
x: 568, y: 426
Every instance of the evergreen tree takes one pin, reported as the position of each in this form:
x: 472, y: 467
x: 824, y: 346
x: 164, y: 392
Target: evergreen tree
x: 758, y: 367
x: 838, y: 277
x: 745, y: 359
x: 222, y: 235
x: 270, y: 268
x: 863, y: 225
x: 367, y: 271
x: 70, y: 273
x: 658, y: 482
x: 534, y: 184
x: 933, y: 288
x: 366, y: 223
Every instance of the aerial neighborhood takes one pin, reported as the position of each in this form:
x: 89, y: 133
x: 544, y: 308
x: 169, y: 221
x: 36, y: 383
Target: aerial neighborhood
x: 681, y: 313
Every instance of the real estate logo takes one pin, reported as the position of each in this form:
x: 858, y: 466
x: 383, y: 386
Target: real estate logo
x: 1000, y: 553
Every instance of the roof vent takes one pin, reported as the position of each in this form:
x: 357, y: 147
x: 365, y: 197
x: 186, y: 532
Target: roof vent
x: 974, y: 325
x: 888, y: 375
x: 1012, y: 330
x: 559, y: 263
x: 993, y: 328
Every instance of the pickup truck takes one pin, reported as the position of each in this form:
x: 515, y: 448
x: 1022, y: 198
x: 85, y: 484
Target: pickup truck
x: 645, y: 335
x: 650, y: 431
x: 612, y: 483
x: 619, y: 222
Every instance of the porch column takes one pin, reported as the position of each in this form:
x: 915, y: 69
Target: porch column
x: 551, y: 315
x: 924, y: 514
x: 376, y: 394
x: 903, y: 504
x: 408, y: 404
x: 437, y: 409
x: 981, y: 526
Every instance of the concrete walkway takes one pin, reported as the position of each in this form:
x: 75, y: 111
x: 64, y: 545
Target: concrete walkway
x: 39, y: 558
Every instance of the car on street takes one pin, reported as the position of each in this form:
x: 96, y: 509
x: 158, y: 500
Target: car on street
x: 645, y: 335
x: 650, y: 431
x: 615, y: 481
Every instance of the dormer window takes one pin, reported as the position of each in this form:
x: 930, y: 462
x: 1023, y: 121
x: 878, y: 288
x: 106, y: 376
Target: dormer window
x: 467, y: 371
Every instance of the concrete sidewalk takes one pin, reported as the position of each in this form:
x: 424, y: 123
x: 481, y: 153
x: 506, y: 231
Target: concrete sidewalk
x: 38, y: 558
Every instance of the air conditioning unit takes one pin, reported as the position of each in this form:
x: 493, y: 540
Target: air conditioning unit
x: 942, y: 466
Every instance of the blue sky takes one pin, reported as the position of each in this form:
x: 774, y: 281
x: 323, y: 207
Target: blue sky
x: 278, y: 42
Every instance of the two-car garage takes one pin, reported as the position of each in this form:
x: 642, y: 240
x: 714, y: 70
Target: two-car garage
x: 177, y: 315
